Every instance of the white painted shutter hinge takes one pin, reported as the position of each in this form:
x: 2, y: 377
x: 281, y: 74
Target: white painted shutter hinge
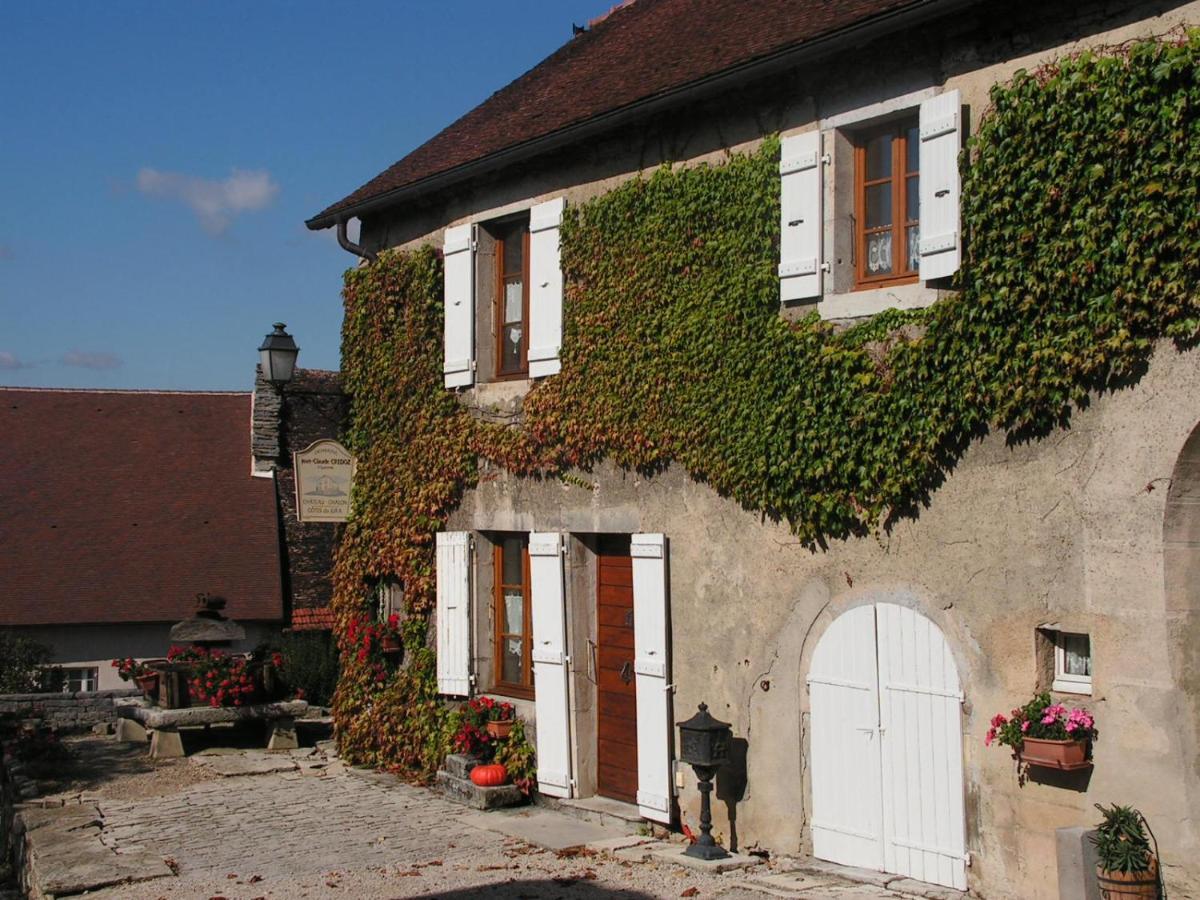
x: 827, y: 160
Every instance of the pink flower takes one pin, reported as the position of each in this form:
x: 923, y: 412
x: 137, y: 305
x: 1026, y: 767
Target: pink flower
x: 1025, y: 726
x: 991, y: 736
x: 998, y: 720
x: 1049, y: 718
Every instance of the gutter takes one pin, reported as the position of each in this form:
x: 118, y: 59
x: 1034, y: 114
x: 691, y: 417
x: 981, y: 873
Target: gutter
x: 348, y: 245
x: 789, y: 57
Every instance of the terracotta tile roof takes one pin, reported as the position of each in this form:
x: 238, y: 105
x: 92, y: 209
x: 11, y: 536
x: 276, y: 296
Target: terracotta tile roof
x: 316, y: 619
x: 640, y: 51
x: 121, y: 506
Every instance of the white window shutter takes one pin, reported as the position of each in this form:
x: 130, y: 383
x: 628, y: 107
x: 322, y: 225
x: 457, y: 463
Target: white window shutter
x: 941, y: 140
x: 454, y: 613
x: 458, y: 254
x: 549, y: 653
x: 545, y: 289
x: 651, y: 668
x: 802, y: 184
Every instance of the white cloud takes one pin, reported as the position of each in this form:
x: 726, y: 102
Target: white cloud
x: 87, y: 360
x: 10, y: 361
x: 214, y: 202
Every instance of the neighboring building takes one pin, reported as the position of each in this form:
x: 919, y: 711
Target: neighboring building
x: 1052, y: 563
x: 310, y: 407
x: 116, y: 509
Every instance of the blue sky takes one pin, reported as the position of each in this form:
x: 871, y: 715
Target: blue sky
x: 158, y: 160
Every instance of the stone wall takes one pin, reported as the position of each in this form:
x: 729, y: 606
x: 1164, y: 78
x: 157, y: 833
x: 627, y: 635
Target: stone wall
x: 310, y: 408
x: 65, y: 711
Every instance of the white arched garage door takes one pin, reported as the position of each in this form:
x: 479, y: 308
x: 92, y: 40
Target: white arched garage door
x: 885, y: 738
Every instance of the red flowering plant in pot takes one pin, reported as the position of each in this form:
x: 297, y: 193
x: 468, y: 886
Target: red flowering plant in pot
x: 131, y: 670
x: 216, y: 678
x: 1044, y: 733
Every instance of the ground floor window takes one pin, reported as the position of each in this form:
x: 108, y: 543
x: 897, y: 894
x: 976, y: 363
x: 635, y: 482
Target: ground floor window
x: 72, y: 680
x: 1072, y: 663
x: 513, y: 639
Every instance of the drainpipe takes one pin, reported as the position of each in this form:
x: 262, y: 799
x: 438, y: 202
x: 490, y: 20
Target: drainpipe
x: 349, y: 246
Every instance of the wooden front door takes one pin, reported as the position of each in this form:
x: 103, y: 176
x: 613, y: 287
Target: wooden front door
x: 617, y: 713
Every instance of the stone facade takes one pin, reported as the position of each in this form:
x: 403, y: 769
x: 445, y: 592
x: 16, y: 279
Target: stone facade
x: 1093, y: 529
x: 311, y: 407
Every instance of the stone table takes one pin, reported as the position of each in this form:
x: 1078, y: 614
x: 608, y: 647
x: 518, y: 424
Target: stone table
x: 138, y: 721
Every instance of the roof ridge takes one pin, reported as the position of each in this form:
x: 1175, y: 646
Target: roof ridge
x: 54, y: 390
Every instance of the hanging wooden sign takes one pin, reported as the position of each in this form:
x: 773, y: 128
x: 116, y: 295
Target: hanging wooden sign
x: 324, y: 475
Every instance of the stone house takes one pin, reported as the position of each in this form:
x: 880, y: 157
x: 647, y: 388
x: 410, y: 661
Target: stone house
x: 116, y: 509
x: 860, y: 676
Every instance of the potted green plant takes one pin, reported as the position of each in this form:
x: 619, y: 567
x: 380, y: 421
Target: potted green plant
x: 1048, y: 734
x: 1126, y: 865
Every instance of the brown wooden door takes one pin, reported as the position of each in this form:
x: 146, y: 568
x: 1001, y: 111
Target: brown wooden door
x: 617, y: 713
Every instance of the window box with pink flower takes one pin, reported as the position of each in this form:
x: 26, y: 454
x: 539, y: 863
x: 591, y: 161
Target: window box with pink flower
x: 1046, y: 734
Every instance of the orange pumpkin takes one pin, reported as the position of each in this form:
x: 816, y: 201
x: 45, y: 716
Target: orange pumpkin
x: 490, y: 775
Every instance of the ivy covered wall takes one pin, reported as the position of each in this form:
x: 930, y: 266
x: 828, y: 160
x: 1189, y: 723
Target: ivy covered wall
x: 1081, y: 218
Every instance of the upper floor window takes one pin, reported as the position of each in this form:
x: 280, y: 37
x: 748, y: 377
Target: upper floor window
x: 512, y: 663
x: 512, y: 299
x: 887, y: 210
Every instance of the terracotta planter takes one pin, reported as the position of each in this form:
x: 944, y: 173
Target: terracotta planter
x: 1123, y: 885
x: 148, y: 684
x: 500, y: 729
x: 1066, y: 755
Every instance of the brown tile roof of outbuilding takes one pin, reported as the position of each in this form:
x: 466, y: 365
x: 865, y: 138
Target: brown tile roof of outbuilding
x: 317, y: 618
x: 640, y: 51
x: 121, y: 506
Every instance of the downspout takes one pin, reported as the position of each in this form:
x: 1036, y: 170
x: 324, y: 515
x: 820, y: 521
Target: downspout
x: 349, y: 246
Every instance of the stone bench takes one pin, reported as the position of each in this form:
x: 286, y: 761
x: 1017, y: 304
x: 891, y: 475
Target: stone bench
x: 139, y: 721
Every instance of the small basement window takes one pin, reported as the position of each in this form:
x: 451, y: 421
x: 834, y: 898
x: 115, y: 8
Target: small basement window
x: 1072, y: 663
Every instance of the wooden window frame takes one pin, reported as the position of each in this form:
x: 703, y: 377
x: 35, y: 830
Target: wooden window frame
x: 498, y: 303
x: 899, y: 182
x: 524, y: 689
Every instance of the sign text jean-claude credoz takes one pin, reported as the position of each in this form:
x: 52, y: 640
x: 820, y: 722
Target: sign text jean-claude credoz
x: 324, y: 472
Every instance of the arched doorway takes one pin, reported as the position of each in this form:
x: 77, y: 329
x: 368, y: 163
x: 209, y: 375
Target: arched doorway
x: 886, y: 746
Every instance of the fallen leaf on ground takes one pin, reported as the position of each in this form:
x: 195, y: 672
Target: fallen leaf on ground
x: 690, y: 892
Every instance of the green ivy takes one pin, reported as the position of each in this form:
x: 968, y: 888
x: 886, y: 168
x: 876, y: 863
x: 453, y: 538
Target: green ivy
x: 1082, y: 224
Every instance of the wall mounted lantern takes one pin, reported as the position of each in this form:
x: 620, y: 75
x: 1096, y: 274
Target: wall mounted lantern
x: 277, y: 355
x: 704, y: 745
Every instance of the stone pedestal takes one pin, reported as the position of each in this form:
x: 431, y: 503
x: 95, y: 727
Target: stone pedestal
x: 282, y: 734
x: 454, y: 780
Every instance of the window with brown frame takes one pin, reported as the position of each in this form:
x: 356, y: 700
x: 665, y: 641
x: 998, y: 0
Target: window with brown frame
x: 887, y: 230
x: 512, y: 300
x: 512, y: 666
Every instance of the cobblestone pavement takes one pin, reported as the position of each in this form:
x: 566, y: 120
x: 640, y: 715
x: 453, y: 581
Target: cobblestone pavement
x: 326, y: 831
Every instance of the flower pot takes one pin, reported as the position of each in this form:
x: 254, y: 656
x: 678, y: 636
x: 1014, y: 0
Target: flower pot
x: 1050, y: 754
x: 390, y: 644
x: 149, y: 684
x: 492, y: 775
x: 500, y: 729
x: 1123, y: 885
